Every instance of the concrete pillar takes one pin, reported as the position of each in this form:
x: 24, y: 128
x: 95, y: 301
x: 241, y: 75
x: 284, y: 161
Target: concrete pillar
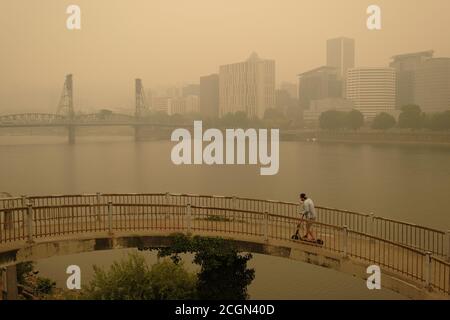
x: 71, y: 134
x: 138, y: 134
x: 427, y: 270
x: 2, y: 284
x: 344, y: 241
x: 11, y: 283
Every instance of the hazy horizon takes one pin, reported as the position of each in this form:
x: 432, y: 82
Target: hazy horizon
x: 169, y: 42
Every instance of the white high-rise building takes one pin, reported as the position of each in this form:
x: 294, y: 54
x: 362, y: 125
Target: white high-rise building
x: 372, y: 90
x: 247, y: 86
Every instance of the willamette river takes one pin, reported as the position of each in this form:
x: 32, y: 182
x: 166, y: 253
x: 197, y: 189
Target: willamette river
x: 408, y: 183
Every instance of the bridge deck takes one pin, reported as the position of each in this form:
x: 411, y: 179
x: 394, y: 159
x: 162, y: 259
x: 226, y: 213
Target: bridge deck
x: 58, y: 222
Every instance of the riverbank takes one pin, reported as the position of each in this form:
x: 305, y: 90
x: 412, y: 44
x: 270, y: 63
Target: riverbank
x: 164, y: 134
x: 370, y: 137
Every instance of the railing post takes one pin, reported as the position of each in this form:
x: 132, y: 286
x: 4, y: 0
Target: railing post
x: 233, y: 205
x: 344, y: 241
x: 24, y: 200
x: 167, y: 209
x: 447, y: 242
x: 188, y: 218
x: 266, y: 226
x: 372, y: 224
x: 99, y: 202
x: 30, y: 234
x: 167, y: 197
x: 110, y: 220
x: 427, y: 270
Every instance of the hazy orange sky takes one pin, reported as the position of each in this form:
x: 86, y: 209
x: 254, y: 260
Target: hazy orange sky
x: 176, y: 41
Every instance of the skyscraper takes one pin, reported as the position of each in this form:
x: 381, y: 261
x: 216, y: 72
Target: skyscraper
x: 247, y: 86
x: 190, y: 90
x: 432, y: 91
x: 341, y: 55
x: 372, y: 90
x: 209, y: 96
x: 406, y: 66
x: 320, y: 83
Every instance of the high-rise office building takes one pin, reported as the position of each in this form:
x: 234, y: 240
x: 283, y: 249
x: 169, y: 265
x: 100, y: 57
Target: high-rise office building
x: 176, y: 106
x: 183, y: 105
x: 191, y: 90
x: 341, y: 55
x: 372, y: 90
x: 209, y: 96
x: 432, y: 85
x: 160, y: 104
x: 406, y: 66
x: 247, y: 86
x: 291, y: 88
x: 320, y: 83
x: 192, y: 104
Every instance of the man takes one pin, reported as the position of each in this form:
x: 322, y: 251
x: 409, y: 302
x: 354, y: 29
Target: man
x: 309, y: 214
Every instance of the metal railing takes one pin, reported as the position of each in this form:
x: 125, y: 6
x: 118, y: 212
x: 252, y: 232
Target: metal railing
x: 395, y: 246
x: 414, y: 236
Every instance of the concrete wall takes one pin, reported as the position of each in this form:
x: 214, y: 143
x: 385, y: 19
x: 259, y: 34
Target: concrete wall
x: 293, y: 250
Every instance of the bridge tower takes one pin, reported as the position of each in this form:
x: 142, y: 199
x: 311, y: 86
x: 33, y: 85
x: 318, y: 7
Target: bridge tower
x: 141, y: 108
x: 65, y: 107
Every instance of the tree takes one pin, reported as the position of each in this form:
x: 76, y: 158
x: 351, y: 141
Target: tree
x: 411, y: 117
x: 223, y: 271
x: 23, y: 270
x: 237, y: 119
x: 273, y: 114
x: 440, y: 121
x: 170, y: 281
x: 354, y: 120
x: 132, y: 279
x: 383, y: 121
x: 332, y: 120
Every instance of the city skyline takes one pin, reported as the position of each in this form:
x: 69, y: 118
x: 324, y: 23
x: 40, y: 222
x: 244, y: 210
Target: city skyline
x: 112, y: 49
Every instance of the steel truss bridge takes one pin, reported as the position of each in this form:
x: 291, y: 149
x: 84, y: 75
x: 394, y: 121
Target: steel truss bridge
x: 414, y: 260
x: 65, y: 115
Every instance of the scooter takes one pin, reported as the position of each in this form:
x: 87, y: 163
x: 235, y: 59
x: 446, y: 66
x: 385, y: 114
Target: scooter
x: 302, y: 227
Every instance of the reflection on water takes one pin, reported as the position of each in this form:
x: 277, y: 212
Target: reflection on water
x: 402, y: 182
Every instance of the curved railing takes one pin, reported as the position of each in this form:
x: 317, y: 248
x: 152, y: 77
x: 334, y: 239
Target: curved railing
x: 413, y: 252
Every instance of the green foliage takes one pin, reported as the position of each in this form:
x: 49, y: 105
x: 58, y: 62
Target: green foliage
x: 224, y: 274
x: 411, y: 117
x: 132, y: 279
x: 383, y: 121
x: 23, y: 270
x: 238, y: 120
x: 170, y: 281
x: 125, y: 280
x: 439, y: 121
x: 332, y: 120
x: 354, y: 120
x: 44, y: 286
x: 273, y: 114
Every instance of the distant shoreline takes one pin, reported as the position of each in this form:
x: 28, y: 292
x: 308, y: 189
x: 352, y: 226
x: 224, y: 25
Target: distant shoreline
x: 389, y: 138
x: 358, y: 137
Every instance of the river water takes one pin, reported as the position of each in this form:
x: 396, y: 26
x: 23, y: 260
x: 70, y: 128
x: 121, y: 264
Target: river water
x: 408, y: 183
